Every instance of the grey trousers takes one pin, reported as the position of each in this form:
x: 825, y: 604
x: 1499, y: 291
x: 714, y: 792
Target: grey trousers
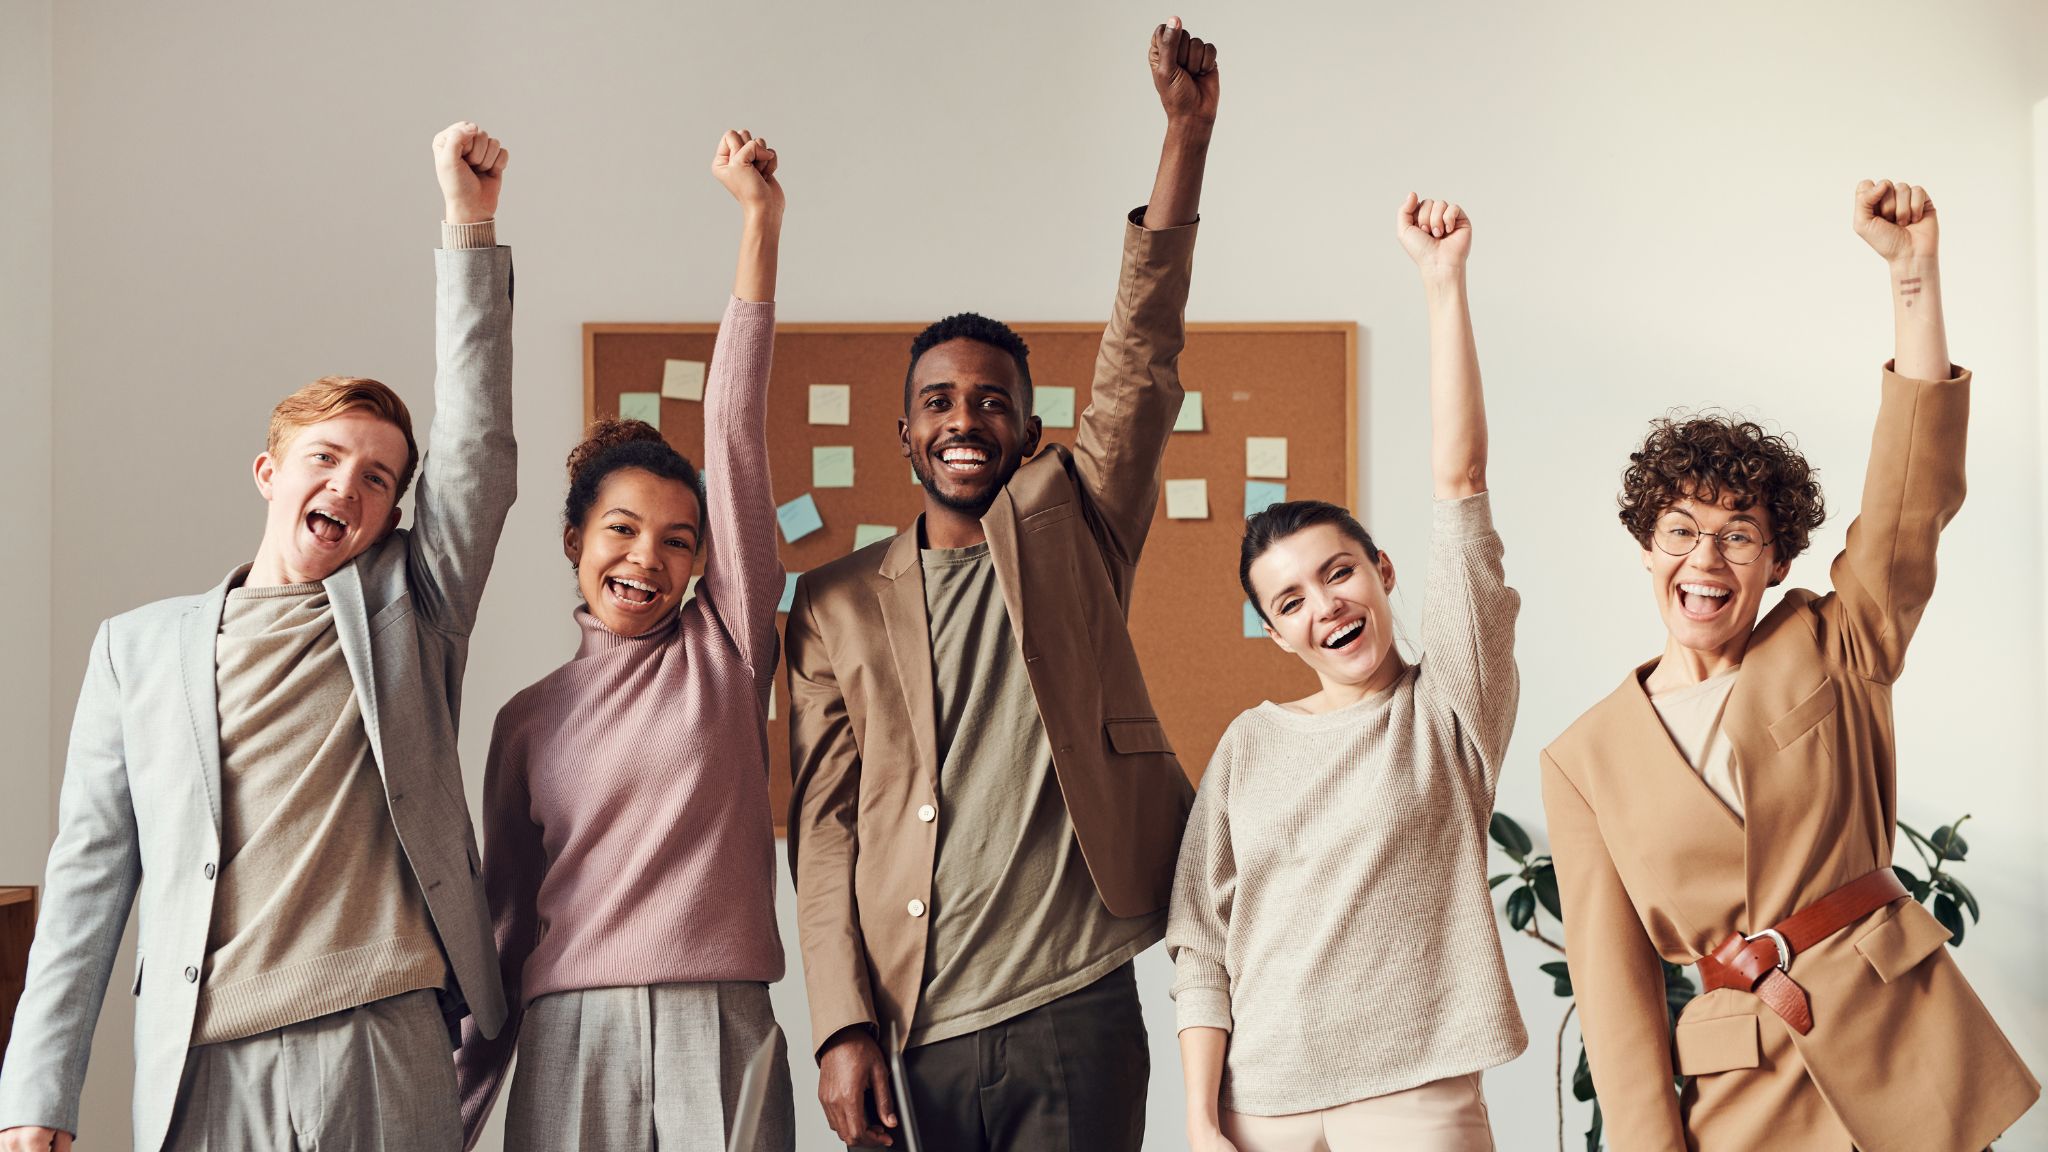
x: 1066, y: 1077
x: 379, y: 1078
x: 644, y: 1068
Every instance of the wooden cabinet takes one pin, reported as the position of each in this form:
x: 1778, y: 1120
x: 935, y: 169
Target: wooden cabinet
x: 17, y: 928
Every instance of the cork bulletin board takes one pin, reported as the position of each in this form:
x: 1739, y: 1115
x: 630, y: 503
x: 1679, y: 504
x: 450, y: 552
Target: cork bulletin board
x: 1293, y: 380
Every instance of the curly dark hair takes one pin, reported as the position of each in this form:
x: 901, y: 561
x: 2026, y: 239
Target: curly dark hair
x: 1712, y: 457
x: 615, y: 444
x: 980, y: 329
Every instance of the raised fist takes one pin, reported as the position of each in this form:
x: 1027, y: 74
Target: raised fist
x: 1184, y: 72
x: 1436, y: 234
x: 1897, y: 220
x: 471, y: 166
x: 745, y: 164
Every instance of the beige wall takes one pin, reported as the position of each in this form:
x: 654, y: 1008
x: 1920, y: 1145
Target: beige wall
x: 242, y: 201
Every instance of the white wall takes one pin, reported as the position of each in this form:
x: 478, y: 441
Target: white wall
x: 25, y: 508
x: 242, y: 201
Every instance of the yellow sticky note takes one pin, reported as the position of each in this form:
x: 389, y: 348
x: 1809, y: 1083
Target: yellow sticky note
x: 1266, y: 457
x: 1187, y: 499
x: 771, y: 699
x: 690, y: 589
x: 831, y: 404
x: 1190, y: 418
x: 683, y: 379
x: 1053, y: 405
x: 866, y: 534
x: 832, y: 466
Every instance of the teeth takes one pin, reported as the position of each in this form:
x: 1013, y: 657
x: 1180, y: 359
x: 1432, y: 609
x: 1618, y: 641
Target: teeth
x: 640, y: 584
x: 1343, y: 635
x: 1703, y: 590
x: 330, y: 516
x: 963, y: 456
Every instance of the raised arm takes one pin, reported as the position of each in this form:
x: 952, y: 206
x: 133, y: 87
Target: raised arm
x: 95, y: 867
x: 1438, y: 237
x: 468, y: 477
x: 1915, y: 482
x: 1136, y: 394
x: 1197, y: 933
x: 742, y: 569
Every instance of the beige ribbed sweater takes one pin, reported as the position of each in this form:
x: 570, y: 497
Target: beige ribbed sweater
x: 1330, y: 909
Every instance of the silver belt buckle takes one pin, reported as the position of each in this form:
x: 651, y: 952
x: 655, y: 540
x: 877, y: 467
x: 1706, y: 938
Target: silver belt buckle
x: 1784, y: 947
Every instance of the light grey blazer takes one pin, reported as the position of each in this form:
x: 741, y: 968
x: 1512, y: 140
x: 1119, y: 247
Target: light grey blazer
x: 140, y: 806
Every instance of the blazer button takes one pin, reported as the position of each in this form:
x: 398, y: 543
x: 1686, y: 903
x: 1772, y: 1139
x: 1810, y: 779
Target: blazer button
x: 209, y: 871
x: 927, y: 813
x: 916, y: 909
x: 191, y: 975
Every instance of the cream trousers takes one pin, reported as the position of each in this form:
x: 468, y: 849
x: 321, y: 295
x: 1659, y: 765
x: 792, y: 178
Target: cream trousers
x: 1447, y: 1115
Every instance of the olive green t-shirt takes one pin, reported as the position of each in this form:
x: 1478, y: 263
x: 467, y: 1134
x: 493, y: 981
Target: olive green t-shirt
x: 1015, y: 919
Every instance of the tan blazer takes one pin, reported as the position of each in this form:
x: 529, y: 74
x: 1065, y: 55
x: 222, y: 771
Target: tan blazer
x: 1064, y: 536
x: 1903, y: 1056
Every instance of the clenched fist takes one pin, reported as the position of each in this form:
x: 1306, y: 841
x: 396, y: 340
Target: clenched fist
x: 1436, y: 234
x: 1184, y: 72
x: 471, y: 166
x: 745, y: 164
x: 1897, y: 220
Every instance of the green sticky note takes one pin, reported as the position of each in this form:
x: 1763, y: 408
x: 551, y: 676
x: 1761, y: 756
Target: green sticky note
x: 1254, y: 627
x: 641, y: 406
x: 866, y: 534
x: 1190, y: 418
x: 1054, y: 406
x: 799, y: 518
x: 832, y: 466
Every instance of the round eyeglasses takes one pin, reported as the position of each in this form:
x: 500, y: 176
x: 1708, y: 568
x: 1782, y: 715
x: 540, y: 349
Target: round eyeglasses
x: 1678, y: 534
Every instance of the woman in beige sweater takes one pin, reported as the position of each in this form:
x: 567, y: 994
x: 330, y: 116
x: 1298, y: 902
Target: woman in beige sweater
x: 1360, y: 1018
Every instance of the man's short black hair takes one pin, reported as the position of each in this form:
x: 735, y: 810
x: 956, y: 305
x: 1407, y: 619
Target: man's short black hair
x: 972, y: 326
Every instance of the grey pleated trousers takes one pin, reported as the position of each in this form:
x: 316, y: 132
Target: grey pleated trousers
x: 652, y: 1067
x: 379, y: 1078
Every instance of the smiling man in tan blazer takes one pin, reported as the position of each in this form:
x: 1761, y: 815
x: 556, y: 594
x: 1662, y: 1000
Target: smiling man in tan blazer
x: 986, y: 811
x: 1733, y: 805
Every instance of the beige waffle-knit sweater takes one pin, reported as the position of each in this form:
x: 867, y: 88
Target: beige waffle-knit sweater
x: 1330, y: 910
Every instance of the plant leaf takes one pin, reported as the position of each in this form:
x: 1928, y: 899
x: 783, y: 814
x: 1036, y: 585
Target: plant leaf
x: 1509, y: 836
x: 1497, y: 881
x: 1560, y: 972
x: 1954, y: 887
x: 1951, y: 917
x: 1949, y: 843
x: 1582, y: 1078
x: 1593, y: 1133
x: 1521, y: 907
x: 1545, y: 884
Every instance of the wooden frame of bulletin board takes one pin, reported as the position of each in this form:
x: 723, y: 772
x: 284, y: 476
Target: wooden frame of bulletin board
x: 1292, y: 380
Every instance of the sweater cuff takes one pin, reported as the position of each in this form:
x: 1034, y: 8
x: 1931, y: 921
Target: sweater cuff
x: 1462, y: 517
x: 1201, y: 1008
x: 482, y: 234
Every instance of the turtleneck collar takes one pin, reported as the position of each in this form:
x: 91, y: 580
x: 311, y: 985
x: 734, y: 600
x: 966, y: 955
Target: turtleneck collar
x: 598, y: 639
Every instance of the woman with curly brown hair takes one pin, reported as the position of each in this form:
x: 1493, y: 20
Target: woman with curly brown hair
x: 629, y: 853
x: 1732, y: 804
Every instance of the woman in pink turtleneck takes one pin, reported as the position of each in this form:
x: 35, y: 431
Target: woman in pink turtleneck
x: 629, y: 851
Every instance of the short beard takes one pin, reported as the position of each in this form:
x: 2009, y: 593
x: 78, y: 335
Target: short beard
x: 974, y: 508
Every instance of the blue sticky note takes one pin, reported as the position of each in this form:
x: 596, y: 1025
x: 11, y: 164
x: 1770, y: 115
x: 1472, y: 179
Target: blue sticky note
x: 799, y: 518
x: 1253, y: 626
x: 788, y: 591
x: 1262, y: 494
x: 641, y: 406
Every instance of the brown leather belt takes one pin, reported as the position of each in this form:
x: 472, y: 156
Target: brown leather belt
x: 1761, y: 963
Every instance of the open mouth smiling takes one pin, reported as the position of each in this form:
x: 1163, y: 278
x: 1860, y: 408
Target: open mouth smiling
x: 631, y: 594
x: 326, y: 525
x: 1703, y: 601
x: 1345, y: 636
x: 965, y: 460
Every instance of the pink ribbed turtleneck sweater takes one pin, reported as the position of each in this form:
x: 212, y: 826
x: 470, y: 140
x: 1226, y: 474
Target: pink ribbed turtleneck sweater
x: 628, y: 839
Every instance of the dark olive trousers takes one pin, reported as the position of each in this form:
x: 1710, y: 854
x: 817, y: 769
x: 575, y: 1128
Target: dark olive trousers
x: 1069, y: 1076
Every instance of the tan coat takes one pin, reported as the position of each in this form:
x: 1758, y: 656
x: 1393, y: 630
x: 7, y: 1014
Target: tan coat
x: 1064, y: 536
x: 1903, y: 1056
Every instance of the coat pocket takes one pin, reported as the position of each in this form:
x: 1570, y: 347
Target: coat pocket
x: 1897, y: 946
x: 391, y: 613
x: 1128, y: 737
x: 1804, y: 716
x: 1718, y: 1045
